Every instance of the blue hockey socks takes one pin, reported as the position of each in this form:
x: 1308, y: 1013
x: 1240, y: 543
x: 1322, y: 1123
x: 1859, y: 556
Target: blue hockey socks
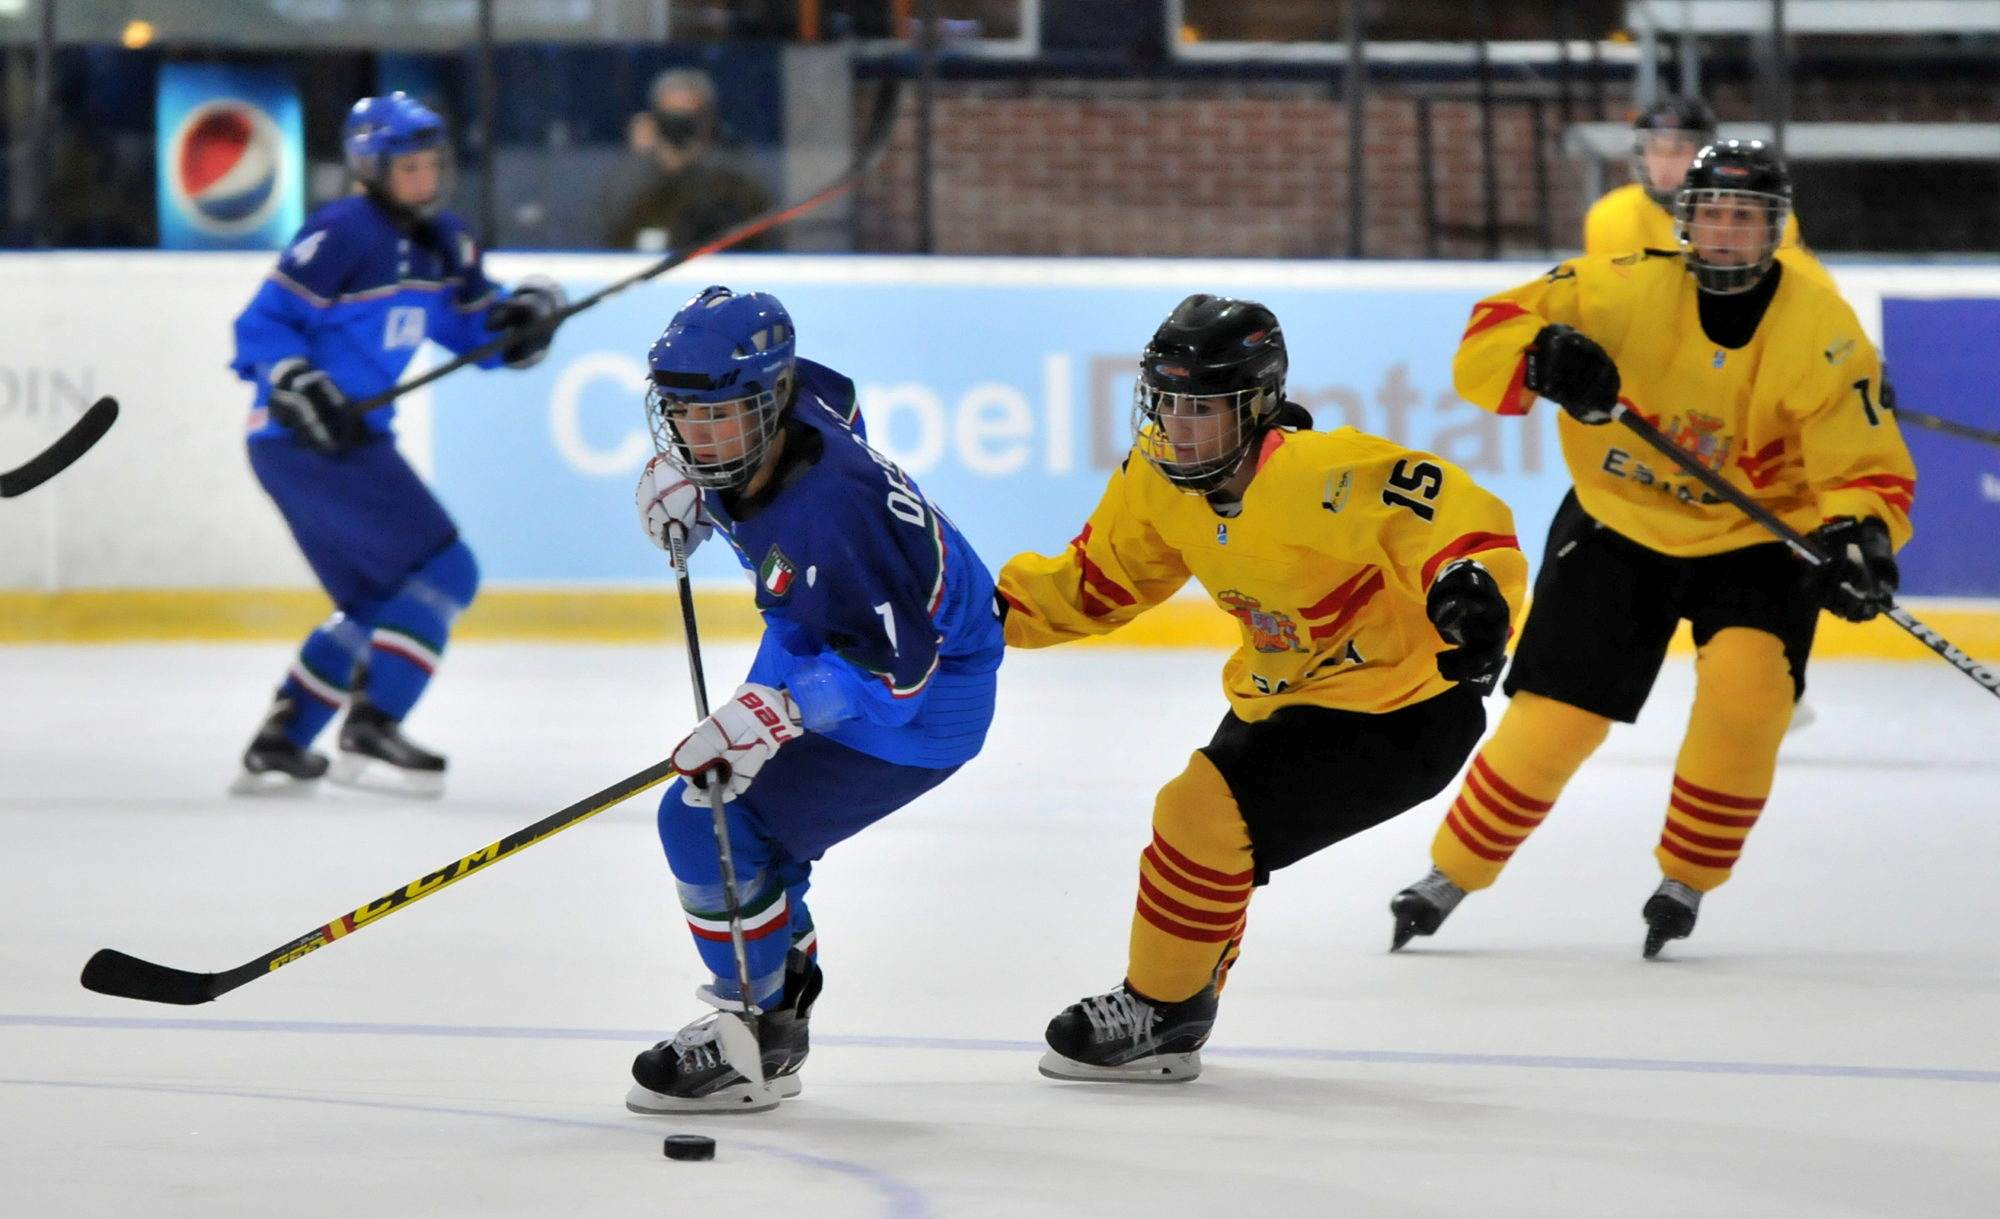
x: 322, y: 676
x: 411, y: 628
x: 771, y: 899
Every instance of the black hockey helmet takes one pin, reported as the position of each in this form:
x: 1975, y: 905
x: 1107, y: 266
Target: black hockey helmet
x: 1732, y: 210
x: 1213, y: 356
x: 1687, y: 120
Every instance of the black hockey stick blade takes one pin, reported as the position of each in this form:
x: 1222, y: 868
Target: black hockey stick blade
x: 881, y: 124
x: 111, y: 972
x: 123, y: 976
x: 68, y: 447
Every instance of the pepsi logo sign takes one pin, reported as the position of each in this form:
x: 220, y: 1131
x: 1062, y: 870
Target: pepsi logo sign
x: 227, y: 155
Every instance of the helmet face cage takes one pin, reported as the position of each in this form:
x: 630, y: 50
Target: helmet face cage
x: 1712, y: 225
x: 736, y: 432
x: 1220, y: 428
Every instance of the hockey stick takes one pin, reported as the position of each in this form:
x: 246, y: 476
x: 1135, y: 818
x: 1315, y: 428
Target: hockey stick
x: 110, y: 972
x: 1800, y: 544
x: 880, y: 125
x: 1964, y: 431
x: 68, y: 447
x: 740, y: 1048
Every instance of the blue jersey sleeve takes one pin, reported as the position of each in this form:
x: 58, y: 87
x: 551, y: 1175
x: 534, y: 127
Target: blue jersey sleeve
x: 310, y: 275
x: 460, y: 323
x: 876, y: 612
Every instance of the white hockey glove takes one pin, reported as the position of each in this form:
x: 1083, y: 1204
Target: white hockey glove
x: 665, y: 498
x: 732, y: 745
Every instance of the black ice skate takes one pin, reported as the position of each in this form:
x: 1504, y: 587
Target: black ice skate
x: 375, y: 755
x: 689, y: 1075
x: 1126, y: 1038
x: 1669, y: 915
x: 273, y: 765
x: 1421, y: 908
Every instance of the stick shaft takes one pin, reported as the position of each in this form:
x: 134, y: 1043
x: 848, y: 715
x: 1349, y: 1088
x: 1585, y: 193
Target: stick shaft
x: 1949, y: 427
x: 114, y: 973
x: 1801, y: 545
x: 875, y: 144
x: 732, y: 901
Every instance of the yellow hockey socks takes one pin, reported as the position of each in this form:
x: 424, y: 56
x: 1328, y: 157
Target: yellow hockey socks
x: 1513, y: 783
x: 1742, y: 704
x: 1195, y: 880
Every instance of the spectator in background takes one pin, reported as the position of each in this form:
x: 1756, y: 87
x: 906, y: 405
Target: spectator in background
x: 677, y: 190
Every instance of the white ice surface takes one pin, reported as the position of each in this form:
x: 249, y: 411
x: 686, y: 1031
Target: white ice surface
x: 1825, y: 1045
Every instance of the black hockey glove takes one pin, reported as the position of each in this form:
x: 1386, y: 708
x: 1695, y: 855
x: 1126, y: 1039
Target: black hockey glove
x: 1568, y: 368
x: 526, y: 313
x: 1861, y: 580
x: 1467, y: 609
x: 305, y: 400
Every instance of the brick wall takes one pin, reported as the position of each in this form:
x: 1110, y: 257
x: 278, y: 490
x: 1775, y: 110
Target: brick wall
x: 1259, y: 169
x: 1229, y: 171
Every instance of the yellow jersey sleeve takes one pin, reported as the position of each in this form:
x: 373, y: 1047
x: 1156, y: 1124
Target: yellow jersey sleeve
x: 1117, y: 568
x: 1855, y: 460
x: 1424, y: 513
x: 1491, y: 367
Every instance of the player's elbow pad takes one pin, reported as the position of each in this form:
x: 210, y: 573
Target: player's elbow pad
x: 825, y: 700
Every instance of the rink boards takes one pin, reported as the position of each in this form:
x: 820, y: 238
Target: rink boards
x: 1002, y: 385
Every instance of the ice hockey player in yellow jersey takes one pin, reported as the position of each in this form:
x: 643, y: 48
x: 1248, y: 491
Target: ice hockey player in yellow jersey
x: 1374, y: 587
x: 1766, y: 377
x: 1639, y: 215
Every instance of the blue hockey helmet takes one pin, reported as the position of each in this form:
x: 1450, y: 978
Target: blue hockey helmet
x: 721, y: 376
x: 381, y: 128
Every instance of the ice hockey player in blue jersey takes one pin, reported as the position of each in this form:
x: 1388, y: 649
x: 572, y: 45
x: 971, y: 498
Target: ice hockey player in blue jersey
x: 366, y: 281
x: 872, y: 684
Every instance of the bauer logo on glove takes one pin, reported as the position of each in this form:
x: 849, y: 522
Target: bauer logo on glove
x: 732, y: 745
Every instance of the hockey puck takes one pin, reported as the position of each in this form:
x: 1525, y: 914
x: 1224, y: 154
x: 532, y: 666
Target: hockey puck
x: 689, y: 1147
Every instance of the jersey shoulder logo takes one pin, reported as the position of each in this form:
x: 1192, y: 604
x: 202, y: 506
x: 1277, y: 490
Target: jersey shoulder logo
x: 1334, y: 496
x: 403, y: 328
x: 302, y: 251
x: 1839, y: 351
x: 776, y: 573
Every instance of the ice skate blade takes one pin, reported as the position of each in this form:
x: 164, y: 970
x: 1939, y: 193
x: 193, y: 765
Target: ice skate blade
x: 272, y: 784
x: 737, y: 1098
x: 1156, y: 1069
x: 364, y: 773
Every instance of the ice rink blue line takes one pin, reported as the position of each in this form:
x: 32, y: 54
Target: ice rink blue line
x: 904, y: 1201
x: 1547, y: 1062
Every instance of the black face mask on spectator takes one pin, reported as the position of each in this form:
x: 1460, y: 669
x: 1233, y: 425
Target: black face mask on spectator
x: 679, y: 128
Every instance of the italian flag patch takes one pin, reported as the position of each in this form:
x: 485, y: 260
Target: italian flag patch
x: 776, y: 573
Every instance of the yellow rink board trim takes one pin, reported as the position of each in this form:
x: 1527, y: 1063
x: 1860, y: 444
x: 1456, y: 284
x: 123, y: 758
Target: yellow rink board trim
x: 626, y: 615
